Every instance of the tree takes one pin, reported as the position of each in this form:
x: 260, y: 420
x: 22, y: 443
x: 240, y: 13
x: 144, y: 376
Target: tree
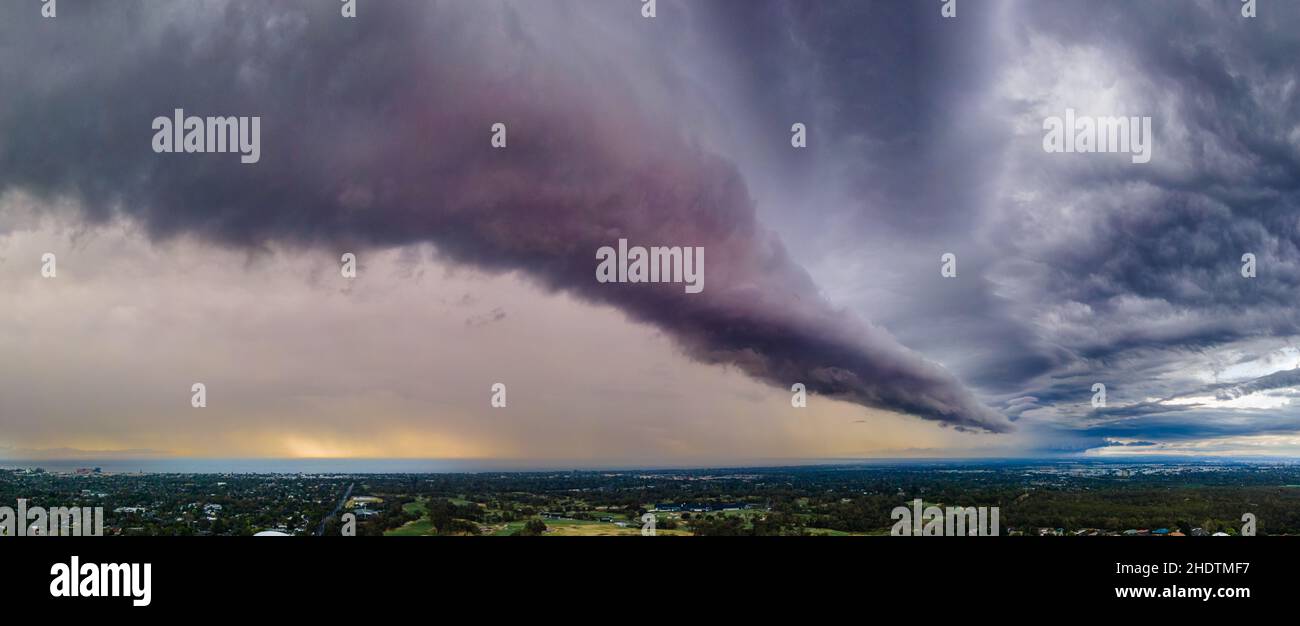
x: 533, y: 528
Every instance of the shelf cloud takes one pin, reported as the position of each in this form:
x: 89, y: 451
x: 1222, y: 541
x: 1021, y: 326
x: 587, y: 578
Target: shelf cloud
x: 376, y: 133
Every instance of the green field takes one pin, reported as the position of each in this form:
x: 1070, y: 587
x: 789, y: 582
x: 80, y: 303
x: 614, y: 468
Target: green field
x: 509, y: 529
x: 568, y: 527
x: 554, y: 527
x: 582, y: 528
x: 417, y: 528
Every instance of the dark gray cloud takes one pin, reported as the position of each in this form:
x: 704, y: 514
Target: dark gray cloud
x: 1074, y: 270
x: 1136, y: 271
x: 896, y: 99
x: 925, y: 138
x: 375, y: 133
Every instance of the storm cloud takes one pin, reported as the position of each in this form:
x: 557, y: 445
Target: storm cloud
x: 925, y: 138
x: 375, y: 133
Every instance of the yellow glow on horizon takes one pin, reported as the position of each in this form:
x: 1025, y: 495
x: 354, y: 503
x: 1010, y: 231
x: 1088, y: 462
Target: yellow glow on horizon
x: 378, y: 445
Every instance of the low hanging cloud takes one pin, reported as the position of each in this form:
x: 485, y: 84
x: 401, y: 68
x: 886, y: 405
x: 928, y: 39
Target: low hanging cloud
x: 375, y: 133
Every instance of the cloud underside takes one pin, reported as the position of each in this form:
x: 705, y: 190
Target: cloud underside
x: 375, y: 133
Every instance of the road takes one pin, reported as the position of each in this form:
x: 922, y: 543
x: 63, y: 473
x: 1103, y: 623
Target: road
x: 320, y: 531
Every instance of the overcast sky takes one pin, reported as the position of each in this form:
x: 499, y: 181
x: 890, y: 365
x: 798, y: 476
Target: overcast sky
x: 477, y: 264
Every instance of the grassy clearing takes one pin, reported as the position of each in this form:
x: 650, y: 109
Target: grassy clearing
x: 602, y: 529
x: 417, y: 528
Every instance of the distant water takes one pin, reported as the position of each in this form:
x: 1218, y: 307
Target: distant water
x: 443, y: 466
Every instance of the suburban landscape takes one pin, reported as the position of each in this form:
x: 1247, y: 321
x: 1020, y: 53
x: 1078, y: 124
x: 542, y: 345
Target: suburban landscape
x: 1036, y: 498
